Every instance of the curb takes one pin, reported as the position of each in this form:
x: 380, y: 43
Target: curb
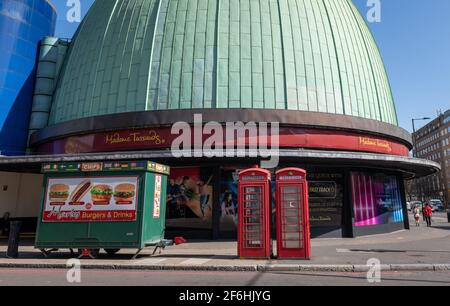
x: 240, y: 268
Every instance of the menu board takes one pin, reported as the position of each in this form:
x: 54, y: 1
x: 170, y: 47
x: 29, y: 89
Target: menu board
x: 114, y: 166
x: 326, y: 198
x: 92, y: 199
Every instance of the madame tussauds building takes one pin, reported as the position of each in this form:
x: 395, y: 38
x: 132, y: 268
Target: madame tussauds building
x: 137, y: 67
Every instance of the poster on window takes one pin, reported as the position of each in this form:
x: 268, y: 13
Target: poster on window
x: 190, y: 198
x: 229, y: 200
x: 326, y: 198
x: 92, y: 199
x: 376, y: 199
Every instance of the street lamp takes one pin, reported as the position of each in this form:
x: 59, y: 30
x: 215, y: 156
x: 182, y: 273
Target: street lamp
x: 415, y: 148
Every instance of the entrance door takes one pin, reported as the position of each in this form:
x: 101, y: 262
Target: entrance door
x: 293, y: 238
x: 253, y: 217
x: 292, y: 217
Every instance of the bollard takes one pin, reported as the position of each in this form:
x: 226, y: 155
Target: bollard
x: 14, y: 238
x: 448, y: 215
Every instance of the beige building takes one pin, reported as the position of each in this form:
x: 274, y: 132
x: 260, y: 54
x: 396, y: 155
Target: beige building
x: 20, y: 197
x: 432, y: 142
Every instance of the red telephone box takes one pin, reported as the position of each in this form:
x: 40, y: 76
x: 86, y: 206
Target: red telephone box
x: 293, y: 232
x: 254, y: 214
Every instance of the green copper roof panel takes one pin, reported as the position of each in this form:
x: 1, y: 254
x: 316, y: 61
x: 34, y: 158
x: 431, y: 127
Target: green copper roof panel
x: 138, y: 55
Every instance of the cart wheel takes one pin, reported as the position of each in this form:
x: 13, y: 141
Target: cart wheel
x: 112, y: 251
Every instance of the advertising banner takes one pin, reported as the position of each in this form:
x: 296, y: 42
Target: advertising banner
x: 157, y: 197
x: 376, y: 199
x: 190, y: 198
x: 91, y: 199
x: 229, y: 200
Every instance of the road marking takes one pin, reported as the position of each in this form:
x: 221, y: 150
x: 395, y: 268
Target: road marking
x: 196, y: 261
x: 354, y: 251
x: 343, y: 251
x: 151, y: 261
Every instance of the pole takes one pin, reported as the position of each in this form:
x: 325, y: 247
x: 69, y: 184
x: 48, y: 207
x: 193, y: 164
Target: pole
x: 415, y: 155
x: 414, y: 138
x: 14, y: 239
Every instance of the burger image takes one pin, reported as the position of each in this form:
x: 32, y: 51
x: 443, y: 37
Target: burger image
x: 59, y: 193
x: 124, y: 193
x: 80, y: 191
x: 101, y: 194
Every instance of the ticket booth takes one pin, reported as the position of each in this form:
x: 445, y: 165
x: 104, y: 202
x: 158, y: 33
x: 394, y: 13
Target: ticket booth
x: 293, y: 232
x: 254, y: 214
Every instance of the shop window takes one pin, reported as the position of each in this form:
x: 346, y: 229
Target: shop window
x: 376, y: 199
x: 229, y: 200
x: 326, y: 198
x: 190, y: 198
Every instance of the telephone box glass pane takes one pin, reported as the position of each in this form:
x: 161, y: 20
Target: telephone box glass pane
x: 253, y: 217
x: 292, y: 217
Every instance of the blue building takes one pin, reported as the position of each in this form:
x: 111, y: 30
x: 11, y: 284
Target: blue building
x: 23, y: 23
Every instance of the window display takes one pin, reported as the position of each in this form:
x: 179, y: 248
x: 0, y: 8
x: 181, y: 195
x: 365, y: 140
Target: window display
x: 376, y: 199
x: 326, y: 198
x: 229, y: 200
x: 189, y: 198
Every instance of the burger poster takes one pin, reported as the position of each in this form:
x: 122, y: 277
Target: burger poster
x: 92, y: 199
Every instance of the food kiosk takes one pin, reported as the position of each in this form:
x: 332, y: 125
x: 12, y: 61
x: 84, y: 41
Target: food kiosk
x: 102, y: 205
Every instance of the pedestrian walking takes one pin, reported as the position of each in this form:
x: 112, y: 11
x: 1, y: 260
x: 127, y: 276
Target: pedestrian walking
x: 428, y: 213
x: 416, y: 212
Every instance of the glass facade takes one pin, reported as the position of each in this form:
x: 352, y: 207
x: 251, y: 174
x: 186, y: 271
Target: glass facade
x: 23, y: 23
x: 326, y: 199
x: 373, y: 199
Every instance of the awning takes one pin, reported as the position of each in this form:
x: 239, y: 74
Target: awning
x: 410, y: 167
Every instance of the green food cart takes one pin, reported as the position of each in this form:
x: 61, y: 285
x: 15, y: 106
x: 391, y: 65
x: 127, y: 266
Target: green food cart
x: 102, y: 205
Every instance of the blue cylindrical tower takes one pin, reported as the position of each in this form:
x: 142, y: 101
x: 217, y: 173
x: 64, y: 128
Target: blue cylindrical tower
x: 23, y: 23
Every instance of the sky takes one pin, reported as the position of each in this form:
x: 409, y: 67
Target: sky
x: 414, y: 39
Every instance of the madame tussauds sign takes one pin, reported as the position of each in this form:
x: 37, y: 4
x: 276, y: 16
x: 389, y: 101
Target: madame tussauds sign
x: 151, y: 136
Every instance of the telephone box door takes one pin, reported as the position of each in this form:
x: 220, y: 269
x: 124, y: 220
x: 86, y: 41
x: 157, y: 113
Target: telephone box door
x: 254, y: 214
x: 293, y: 232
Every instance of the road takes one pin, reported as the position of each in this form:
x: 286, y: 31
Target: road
x: 29, y: 277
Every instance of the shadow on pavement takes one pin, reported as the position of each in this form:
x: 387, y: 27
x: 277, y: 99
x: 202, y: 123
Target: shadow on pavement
x: 123, y: 256
x: 362, y: 276
x: 447, y: 228
x: 395, y: 251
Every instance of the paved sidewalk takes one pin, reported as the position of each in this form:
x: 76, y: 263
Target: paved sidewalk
x: 420, y: 249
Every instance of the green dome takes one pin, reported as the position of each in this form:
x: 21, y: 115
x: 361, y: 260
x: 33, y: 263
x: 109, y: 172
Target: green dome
x: 142, y: 55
